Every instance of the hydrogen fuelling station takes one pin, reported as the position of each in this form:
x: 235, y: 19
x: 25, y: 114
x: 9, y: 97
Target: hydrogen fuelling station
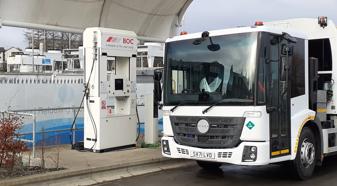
x: 110, y: 120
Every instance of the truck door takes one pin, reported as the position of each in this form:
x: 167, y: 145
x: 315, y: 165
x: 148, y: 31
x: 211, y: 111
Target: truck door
x: 278, y: 97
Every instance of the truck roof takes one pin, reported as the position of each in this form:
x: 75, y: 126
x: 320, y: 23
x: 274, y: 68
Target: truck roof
x: 306, y: 28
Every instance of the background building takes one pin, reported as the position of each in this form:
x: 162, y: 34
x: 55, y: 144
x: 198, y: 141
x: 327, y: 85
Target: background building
x: 12, y: 52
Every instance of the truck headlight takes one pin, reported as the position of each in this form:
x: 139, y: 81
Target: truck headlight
x: 165, y: 147
x: 252, y: 156
x: 249, y: 154
x: 253, y: 149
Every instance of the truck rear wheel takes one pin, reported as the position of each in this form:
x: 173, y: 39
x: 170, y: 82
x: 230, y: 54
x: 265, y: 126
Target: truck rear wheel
x: 305, y: 161
x: 209, y: 165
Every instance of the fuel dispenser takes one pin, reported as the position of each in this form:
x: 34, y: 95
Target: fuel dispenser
x: 110, y: 119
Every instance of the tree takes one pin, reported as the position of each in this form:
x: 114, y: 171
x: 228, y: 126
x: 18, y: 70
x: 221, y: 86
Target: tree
x: 10, y: 145
x: 53, y: 40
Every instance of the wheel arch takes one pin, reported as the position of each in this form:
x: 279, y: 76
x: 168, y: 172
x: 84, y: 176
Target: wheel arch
x: 315, y: 125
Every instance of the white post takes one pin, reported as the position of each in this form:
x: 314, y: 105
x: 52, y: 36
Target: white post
x: 44, y: 41
x: 150, y: 61
x: 151, y: 130
x: 33, y: 50
x: 69, y: 41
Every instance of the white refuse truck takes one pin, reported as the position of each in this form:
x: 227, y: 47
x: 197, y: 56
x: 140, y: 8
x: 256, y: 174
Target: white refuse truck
x: 253, y: 95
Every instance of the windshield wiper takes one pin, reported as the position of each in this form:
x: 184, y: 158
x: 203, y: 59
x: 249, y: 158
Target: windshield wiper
x: 214, y: 104
x: 175, y: 107
x: 223, y: 101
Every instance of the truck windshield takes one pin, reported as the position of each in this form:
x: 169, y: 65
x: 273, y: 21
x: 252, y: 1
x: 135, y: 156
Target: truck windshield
x: 204, y: 71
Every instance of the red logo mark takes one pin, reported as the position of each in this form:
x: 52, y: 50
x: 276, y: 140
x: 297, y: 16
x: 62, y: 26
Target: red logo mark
x: 111, y: 39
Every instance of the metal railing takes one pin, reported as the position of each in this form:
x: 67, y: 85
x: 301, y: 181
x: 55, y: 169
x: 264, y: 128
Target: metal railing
x: 32, y: 113
x: 47, y: 109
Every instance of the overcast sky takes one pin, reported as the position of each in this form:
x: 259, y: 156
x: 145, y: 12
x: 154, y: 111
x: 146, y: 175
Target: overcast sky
x: 12, y: 37
x: 217, y: 14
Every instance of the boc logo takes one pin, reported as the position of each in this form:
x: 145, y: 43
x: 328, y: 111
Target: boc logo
x: 128, y: 41
x: 120, y: 40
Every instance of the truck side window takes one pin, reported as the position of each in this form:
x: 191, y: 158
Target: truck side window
x: 261, y: 87
x: 297, y: 70
x: 274, y: 75
x: 321, y: 49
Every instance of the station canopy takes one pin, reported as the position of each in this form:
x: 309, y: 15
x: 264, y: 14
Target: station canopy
x: 148, y: 18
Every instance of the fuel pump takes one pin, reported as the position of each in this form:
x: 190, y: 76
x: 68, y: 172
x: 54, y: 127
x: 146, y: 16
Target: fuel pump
x: 110, y: 120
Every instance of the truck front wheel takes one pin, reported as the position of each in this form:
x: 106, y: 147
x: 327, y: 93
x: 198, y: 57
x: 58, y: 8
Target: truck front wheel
x: 305, y: 161
x: 209, y: 165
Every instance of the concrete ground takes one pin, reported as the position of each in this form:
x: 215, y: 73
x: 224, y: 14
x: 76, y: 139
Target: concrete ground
x: 85, y: 168
x: 76, y: 160
x: 232, y: 175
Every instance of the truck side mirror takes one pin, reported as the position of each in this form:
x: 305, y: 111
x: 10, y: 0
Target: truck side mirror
x: 213, y: 47
x: 157, y: 75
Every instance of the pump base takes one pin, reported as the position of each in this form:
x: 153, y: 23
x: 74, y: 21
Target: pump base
x: 111, y: 149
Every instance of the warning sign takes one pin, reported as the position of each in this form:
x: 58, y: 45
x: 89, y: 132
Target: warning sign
x: 103, y: 104
x: 109, y: 111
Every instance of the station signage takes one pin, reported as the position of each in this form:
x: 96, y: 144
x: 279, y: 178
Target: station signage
x: 119, y: 42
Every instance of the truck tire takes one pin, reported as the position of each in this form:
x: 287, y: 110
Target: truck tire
x: 306, y: 156
x: 209, y: 165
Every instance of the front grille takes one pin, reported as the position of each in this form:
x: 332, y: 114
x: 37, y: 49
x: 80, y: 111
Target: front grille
x: 224, y: 132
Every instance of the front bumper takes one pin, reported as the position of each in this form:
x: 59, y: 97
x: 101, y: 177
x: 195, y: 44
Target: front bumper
x: 227, y: 155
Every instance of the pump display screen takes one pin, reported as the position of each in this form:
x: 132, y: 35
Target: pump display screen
x: 118, y: 84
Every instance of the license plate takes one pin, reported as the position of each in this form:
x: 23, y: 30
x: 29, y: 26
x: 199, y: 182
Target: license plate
x: 204, y: 155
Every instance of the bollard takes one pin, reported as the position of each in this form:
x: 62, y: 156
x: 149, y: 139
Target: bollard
x: 151, y: 124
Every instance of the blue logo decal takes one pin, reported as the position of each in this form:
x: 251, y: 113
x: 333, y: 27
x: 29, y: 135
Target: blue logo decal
x: 250, y: 125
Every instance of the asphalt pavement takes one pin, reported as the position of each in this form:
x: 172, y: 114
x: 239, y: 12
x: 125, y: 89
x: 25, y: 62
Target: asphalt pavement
x: 233, y: 175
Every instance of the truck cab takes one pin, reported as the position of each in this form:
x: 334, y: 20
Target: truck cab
x: 252, y: 95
